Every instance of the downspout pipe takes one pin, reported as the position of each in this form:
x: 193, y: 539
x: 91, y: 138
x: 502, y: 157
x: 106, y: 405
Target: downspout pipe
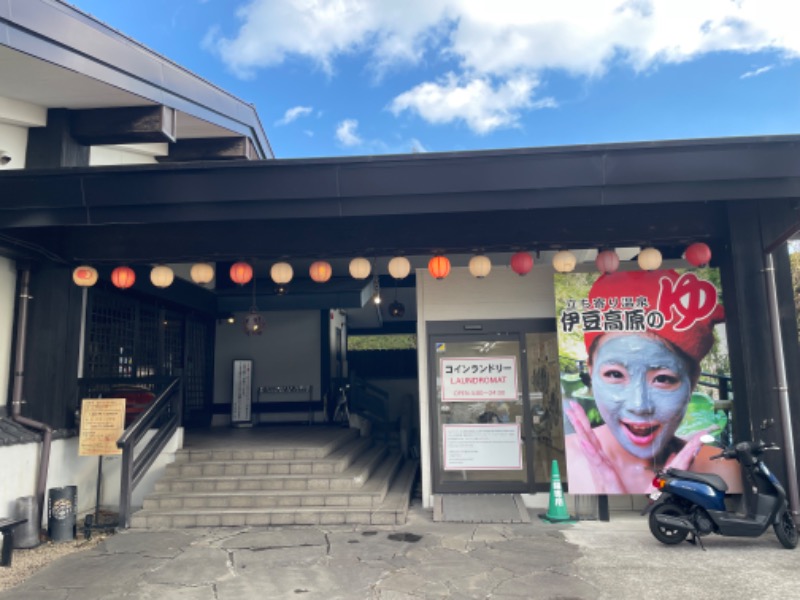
x: 17, y: 392
x: 783, y: 385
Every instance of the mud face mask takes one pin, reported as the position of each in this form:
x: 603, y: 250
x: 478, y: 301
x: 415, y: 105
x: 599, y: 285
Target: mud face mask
x: 641, y: 389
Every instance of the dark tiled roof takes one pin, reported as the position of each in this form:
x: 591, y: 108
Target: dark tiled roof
x: 13, y: 433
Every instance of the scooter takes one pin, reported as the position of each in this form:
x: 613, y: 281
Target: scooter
x: 686, y: 503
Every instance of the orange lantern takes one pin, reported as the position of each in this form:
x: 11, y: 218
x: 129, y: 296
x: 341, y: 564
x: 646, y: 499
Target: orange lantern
x: 241, y: 273
x: 123, y: 277
x: 84, y: 276
x: 320, y: 271
x: 439, y: 266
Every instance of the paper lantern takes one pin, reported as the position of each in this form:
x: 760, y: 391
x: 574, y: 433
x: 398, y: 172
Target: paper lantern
x: 123, y: 277
x: 399, y: 267
x: 564, y: 261
x: 162, y: 276
x: 202, y: 273
x: 439, y: 267
x: 360, y: 268
x: 281, y: 273
x: 320, y: 271
x: 649, y: 259
x: 607, y: 261
x: 241, y: 273
x: 698, y: 254
x: 522, y: 263
x: 84, y: 276
x: 480, y: 266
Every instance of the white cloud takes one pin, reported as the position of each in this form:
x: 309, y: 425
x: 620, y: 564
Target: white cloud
x: 346, y: 133
x: 482, y: 106
x: 498, y: 51
x: 503, y: 37
x: 757, y: 72
x: 417, y: 147
x: 293, y: 114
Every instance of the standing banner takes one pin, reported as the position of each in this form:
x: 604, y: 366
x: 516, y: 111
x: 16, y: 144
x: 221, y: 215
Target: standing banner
x: 102, y: 424
x: 632, y: 347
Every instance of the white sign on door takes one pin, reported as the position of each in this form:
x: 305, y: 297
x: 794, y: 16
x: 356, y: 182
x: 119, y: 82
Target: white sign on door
x: 485, y: 379
x: 482, y: 447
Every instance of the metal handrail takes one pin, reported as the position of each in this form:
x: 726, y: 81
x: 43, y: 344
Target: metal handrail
x: 167, y: 406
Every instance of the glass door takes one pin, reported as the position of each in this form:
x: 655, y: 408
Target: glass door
x: 480, y: 412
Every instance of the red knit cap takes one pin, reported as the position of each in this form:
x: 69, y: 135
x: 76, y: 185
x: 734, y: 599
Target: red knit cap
x: 682, y: 309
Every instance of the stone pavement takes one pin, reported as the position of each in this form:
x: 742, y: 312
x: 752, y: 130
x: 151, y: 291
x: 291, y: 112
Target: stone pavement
x: 418, y: 561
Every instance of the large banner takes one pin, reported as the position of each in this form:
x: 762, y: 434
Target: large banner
x: 632, y: 346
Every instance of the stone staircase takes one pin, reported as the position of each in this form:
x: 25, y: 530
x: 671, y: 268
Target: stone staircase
x: 339, y: 479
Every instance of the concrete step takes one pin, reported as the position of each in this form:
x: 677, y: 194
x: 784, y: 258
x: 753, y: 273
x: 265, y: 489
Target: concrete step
x: 353, y: 477
x: 371, y: 494
x: 267, y: 451
x: 392, y: 511
x: 336, y: 461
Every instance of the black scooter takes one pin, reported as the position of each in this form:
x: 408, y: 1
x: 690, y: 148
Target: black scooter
x: 687, y: 503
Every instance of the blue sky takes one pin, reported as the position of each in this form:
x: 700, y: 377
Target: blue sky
x: 360, y: 77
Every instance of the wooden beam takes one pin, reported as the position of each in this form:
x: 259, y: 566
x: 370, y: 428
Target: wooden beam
x: 224, y: 148
x: 125, y: 125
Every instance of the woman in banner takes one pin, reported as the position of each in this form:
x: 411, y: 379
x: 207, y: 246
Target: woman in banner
x: 651, y: 331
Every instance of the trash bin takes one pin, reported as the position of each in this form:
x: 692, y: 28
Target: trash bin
x: 62, y: 506
x: 27, y: 534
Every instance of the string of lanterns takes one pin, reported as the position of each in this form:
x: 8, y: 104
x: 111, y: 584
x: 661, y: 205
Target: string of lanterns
x: 123, y: 277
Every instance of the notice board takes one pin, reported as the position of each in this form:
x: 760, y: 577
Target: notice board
x: 102, y: 424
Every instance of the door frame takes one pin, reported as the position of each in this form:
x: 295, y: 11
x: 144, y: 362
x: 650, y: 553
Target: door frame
x: 509, y: 329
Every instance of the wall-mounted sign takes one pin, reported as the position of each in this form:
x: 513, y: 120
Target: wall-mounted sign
x: 482, y: 447
x: 102, y: 424
x: 485, y: 379
x: 241, y: 403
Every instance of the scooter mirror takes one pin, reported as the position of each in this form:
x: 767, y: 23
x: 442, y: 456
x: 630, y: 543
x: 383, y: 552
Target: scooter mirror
x: 707, y: 438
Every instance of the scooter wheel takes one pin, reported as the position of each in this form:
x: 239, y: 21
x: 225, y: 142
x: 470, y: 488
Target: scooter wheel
x: 786, y: 530
x: 666, y: 535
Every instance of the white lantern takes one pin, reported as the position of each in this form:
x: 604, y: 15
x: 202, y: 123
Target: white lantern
x: 202, y: 273
x: 564, y: 261
x: 84, y: 276
x: 649, y: 259
x: 281, y: 273
x: 480, y: 266
x: 399, y: 267
x: 162, y: 276
x: 360, y: 268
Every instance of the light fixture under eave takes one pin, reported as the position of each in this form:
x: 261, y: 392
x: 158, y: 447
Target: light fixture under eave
x: 698, y: 254
x: 281, y: 273
x: 253, y: 321
x: 376, y: 290
x: 439, y: 266
x: 480, y: 266
x: 84, y: 276
x: 522, y: 263
x: 399, y: 267
x: 564, y: 261
x: 162, y: 276
x: 241, y: 273
x: 396, y: 308
x: 607, y: 261
x: 360, y: 268
x: 123, y: 277
x: 202, y: 273
x: 320, y: 271
x: 649, y: 259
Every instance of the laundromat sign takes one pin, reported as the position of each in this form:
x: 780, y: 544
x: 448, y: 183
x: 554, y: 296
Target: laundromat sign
x: 489, y: 379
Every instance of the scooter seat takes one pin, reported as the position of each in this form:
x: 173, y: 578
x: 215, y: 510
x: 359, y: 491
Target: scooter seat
x: 711, y: 479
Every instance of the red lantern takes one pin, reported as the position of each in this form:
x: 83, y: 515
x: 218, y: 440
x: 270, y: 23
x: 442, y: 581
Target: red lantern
x: 123, y: 277
x: 320, y: 271
x: 522, y: 263
x: 698, y: 254
x: 241, y: 273
x: 439, y: 267
x: 607, y: 261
